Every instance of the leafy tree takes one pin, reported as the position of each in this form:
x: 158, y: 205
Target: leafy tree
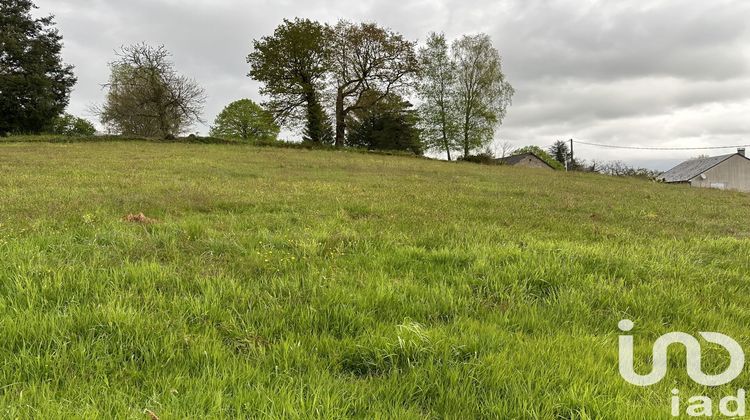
x: 318, y: 128
x: 541, y: 154
x: 292, y: 65
x: 367, y: 58
x: 69, y: 125
x: 245, y: 120
x: 483, y: 94
x: 560, y: 151
x: 437, y: 87
x: 384, y: 124
x: 35, y: 84
x: 147, y: 97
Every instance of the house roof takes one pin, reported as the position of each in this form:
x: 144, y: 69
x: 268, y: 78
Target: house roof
x: 692, y: 168
x: 516, y: 159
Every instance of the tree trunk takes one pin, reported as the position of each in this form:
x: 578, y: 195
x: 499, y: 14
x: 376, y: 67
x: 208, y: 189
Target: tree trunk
x: 447, y: 146
x: 466, y: 142
x: 164, y: 125
x: 467, y: 117
x: 445, y: 134
x: 312, y: 126
x: 340, y: 122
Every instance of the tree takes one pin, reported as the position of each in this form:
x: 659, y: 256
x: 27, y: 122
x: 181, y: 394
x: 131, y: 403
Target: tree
x: 482, y: 94
x: 292, y: 65
x: 436, y: 89
x: 35, y: 84
x: 389, y: 124
x: 147, y: 97
x: 69, y: 125
x: 505, y: 149
x: 245, y: 120
x: 619, y: 168
x: 560, y: 151
x: 367, y: 58
x: 541, y: 154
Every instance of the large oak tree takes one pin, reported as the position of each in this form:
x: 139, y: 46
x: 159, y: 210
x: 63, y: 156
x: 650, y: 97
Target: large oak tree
x: 367, y: 58
x: 292, y: 65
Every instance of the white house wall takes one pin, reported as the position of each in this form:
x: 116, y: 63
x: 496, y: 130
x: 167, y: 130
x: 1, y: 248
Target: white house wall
x: 732, y: 174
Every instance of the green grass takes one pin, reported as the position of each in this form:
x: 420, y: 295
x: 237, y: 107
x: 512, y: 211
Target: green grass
x: 320, y: 284
x: 61, y: 138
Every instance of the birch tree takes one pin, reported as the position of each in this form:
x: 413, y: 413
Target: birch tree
x: 437, y: 89
x: 482, y: 94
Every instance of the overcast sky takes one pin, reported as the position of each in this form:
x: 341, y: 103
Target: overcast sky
x: 658, y: 74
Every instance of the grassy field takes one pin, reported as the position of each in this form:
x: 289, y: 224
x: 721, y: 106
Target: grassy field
x: 320, y: 284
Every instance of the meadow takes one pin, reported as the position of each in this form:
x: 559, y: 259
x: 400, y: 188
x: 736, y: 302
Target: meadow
x: 284, y: 283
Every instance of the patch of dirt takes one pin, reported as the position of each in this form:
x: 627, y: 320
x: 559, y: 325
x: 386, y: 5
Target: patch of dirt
x: 151, y: 415
x: 139, y: 218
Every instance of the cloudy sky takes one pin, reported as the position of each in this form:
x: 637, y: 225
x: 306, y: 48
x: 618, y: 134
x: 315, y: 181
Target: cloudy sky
x: 637, y: 73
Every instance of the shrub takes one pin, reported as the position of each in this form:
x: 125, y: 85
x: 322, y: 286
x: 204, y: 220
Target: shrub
x: 484, y: 158
x: 69, y: 125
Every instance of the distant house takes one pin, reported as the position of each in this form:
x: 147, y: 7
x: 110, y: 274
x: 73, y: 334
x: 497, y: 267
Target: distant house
x: 728, y: 172
x: 527, y: 160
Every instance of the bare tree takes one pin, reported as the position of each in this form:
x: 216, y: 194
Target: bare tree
x: 367, y: 58
x: 619, y: 168
x: 147, y: 97
x: 506, y: 148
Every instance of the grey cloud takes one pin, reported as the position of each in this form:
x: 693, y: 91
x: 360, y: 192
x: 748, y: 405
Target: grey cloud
x: 587, y: 101
x: 608, y: 40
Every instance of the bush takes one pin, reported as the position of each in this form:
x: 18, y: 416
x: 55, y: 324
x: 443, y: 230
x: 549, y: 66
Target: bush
x: 484, y: 158
x: 619, y: 168
x: 69, y: 125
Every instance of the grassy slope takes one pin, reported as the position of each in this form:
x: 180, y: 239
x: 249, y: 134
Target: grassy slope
x: 329, y: 284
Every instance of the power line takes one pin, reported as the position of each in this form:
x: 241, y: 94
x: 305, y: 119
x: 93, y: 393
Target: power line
x: 609, y: 146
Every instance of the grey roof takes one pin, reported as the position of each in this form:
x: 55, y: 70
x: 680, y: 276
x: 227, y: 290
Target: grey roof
x: 690, y: 169
x: 515, y: 159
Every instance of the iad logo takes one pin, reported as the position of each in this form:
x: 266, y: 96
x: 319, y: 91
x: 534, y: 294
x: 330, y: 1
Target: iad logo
x: 700, y: 405
x: 693, y: 348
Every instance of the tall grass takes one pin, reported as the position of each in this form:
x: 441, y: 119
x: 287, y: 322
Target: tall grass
x: 294, y: 283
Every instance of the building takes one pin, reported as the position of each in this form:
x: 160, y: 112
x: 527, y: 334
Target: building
x: 728, y: 172
x: 527, y: 160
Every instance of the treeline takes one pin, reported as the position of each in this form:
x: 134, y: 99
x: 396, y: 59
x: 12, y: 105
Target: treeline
x: 560, y: 152
x: 347, y: 84
x: 560, y: 157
